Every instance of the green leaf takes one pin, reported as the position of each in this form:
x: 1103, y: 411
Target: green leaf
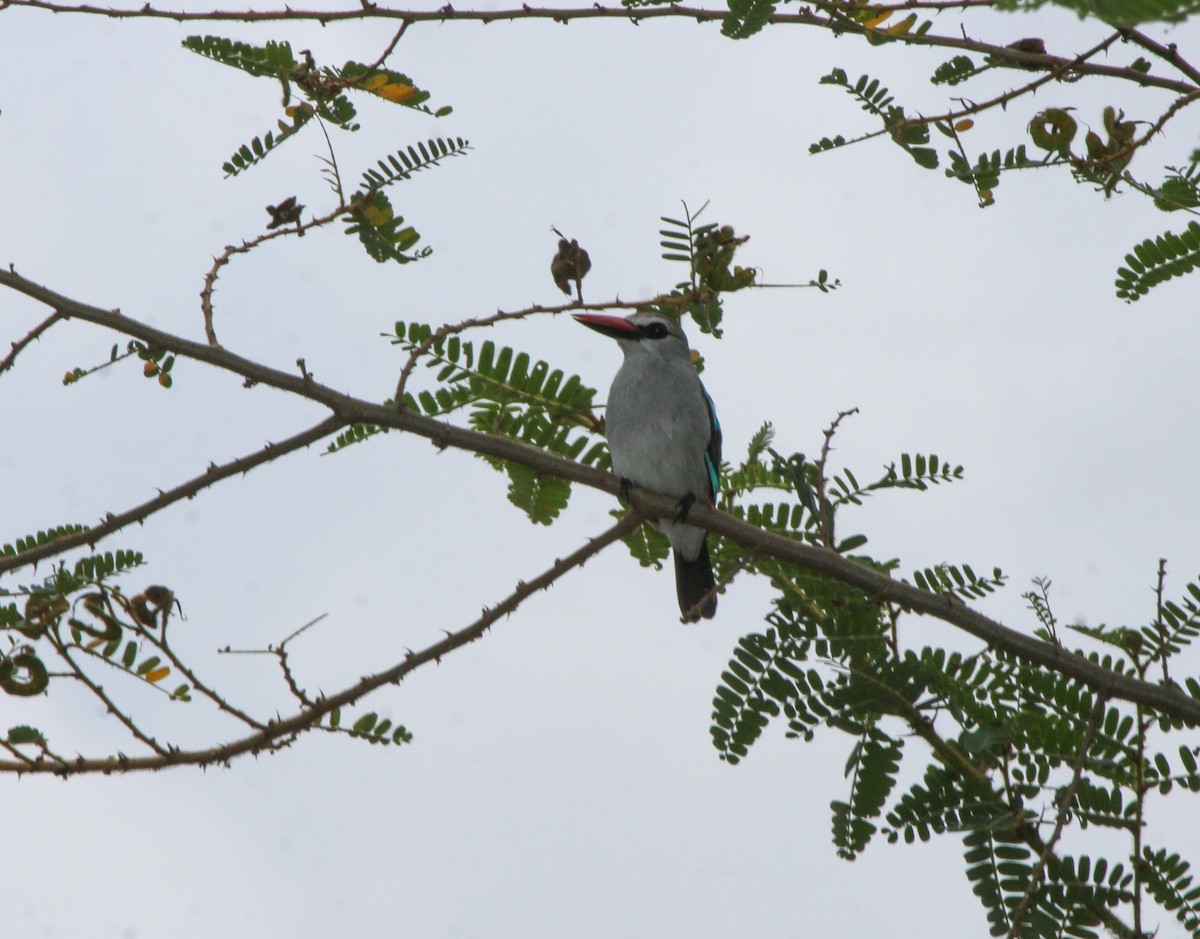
x: 746, y: 17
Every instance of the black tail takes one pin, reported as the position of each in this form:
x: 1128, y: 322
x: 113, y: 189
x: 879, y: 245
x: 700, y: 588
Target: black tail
x: 693, y: 581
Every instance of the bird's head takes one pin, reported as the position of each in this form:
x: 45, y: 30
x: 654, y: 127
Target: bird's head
x: 646, y: 332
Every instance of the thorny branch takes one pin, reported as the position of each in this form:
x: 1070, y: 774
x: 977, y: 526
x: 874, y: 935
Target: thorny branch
x: 19, y: 346
x: 113, y: 523
x: 346, y: 409
x: 281, y: 731
x: 837, y: 18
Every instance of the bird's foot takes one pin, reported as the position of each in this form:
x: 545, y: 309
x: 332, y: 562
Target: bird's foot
x: 626, y: 491
x: 683, y: 506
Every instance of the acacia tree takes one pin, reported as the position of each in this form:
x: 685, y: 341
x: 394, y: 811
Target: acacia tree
x: 1025, y: 737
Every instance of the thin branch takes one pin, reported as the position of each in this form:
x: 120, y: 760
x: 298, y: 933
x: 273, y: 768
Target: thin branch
x: 213, y: 474
x: 348, y: 410
x: 281, y: 732
x: 35, y: 333
x: 1001, y: 100
x: 1063, y: 810
x: 82, y: 676
x: 836, y: 22
x: 826, y: 520
x: 1158, y: 617
x: 1168, y: 53
x: 210, y: 279
x: 1121, y: 157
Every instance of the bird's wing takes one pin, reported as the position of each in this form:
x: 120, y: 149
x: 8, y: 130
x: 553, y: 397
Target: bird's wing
x: 712, y: 454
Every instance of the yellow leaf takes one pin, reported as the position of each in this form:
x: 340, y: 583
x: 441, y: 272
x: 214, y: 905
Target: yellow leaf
x: 877, y: 19
x: 375, y: 81
x: 95, y: 642
x: 965, y: 124
x: 376, y: 216
x: 397, y: 92
x: 157, y: 674
x: 903, y: 26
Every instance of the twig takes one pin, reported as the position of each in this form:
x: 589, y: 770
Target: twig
x: 185, y: 490
x: 826, y: 520
x: 1063, y: 809
x: 801, y: 17
x: 1168, y: 53
x: 210, y: 279
x: 80, y: 675
x: 281, y: 732
x: 1158, y: 619
x: 20, y: 344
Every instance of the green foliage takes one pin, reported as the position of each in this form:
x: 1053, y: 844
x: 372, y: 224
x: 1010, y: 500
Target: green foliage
x: 648, y: 545
x: 355, y: 433
x: 506, y: 392
x: 40, y: 539
x: 1011, y: 750
x: 964, y: 582
x: 370, y: 728
x: 275, y: 59
x: 746, y: 17
x: 872, y: 767
x: 1123, y: 13
x: 1156, y: 260
x: 24, y: 734
x: 308, y: 91
x: 1180, y: 190
x: 910, y: 134
x: 998, y: 866
x: 984, y: 175
x: 1168, y: 880
x: 958, y: 69
x: 403, y: 163
x: 249, y: 154
x: 382, y: 232
x: 709, y: 251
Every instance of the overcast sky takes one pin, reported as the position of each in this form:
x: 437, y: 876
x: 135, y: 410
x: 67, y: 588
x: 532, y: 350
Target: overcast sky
x: 561, y: 781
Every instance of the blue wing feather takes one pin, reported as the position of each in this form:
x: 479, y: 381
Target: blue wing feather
x: 712, y: 455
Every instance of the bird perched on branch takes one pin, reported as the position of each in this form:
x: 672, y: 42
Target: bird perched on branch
x: 663, y: 434
x: 571, y: 263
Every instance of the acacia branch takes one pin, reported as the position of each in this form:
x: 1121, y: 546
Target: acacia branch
x: 835, y: 21
x: 35, y: 333
x: 1063, y: 806
x: 281, y: 732
x: 139, y: 513
x: 346, y: 409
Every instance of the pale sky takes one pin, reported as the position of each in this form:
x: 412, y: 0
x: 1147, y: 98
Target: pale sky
x: 561, y: 781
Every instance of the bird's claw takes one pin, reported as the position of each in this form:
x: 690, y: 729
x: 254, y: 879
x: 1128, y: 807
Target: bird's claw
x: 683, y: 506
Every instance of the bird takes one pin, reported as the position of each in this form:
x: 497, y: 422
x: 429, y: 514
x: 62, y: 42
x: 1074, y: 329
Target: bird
x: 663, y: 434
x: 571, y: 263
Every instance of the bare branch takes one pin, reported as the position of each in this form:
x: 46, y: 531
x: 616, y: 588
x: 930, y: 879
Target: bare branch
x: 835, y: 21
x: 213, y: 474
x: 281, y: 732
x: 19, y: 345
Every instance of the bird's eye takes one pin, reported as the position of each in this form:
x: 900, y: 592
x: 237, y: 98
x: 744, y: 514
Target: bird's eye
x: 656, y: 331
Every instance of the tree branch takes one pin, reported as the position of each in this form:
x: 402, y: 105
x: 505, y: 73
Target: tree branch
x: 836, y: 22
x: 280, y: 732
x: 1167, y: 700
x: 187, y: 490
x: 20, y: 344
